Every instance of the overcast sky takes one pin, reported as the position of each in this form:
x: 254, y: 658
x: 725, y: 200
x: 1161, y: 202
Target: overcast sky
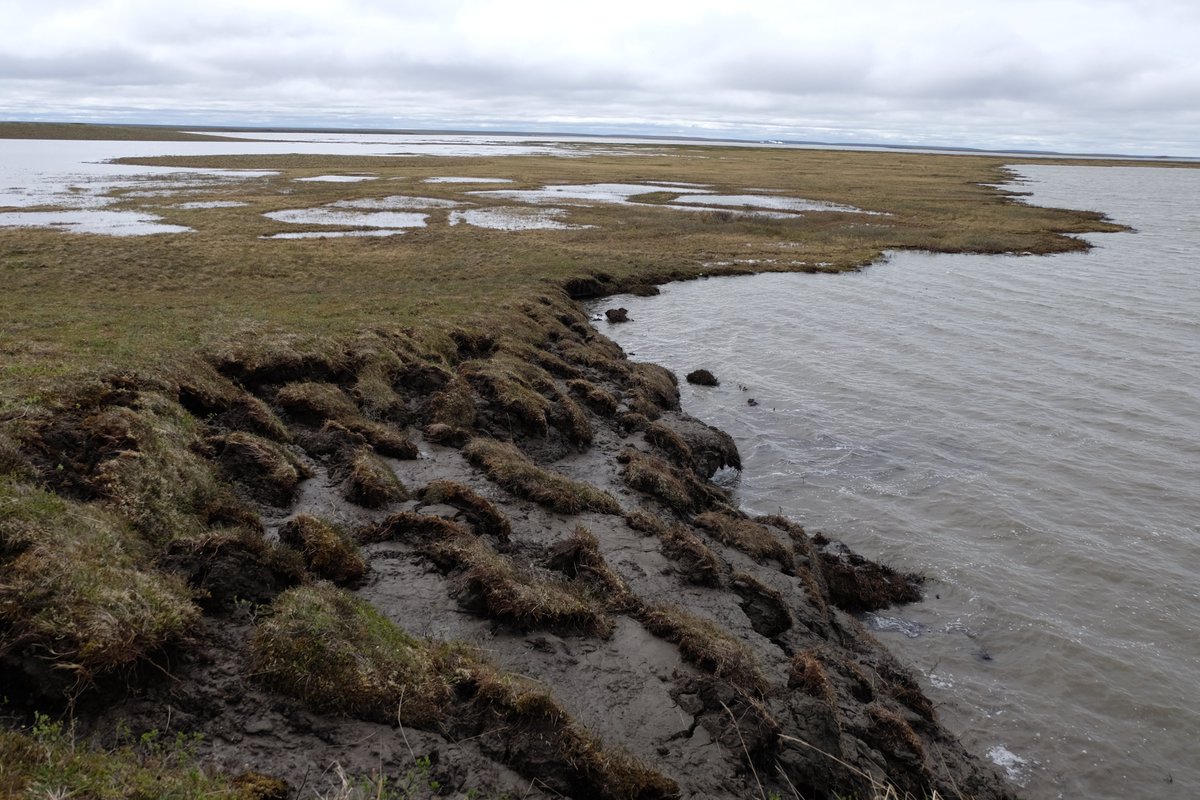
x: 1074, y: 75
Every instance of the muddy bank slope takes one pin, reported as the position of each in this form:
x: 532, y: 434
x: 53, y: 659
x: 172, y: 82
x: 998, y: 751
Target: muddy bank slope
x: 494, y: 557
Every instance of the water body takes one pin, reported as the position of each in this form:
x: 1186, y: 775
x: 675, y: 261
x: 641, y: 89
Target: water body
x: 1025, y: 431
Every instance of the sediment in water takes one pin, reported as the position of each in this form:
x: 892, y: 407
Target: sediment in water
x: 666, y: 644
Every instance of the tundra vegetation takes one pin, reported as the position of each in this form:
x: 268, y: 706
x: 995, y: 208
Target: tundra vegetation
x: 165, y: 400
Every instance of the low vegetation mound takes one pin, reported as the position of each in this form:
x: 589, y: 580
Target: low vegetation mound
x: 79, y: 596
x: 509, y: 467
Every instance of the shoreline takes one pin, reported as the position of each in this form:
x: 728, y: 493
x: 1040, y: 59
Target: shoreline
x: 770, y: 640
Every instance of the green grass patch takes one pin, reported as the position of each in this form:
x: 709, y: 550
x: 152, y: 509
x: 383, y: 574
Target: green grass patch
x: 78, y: 588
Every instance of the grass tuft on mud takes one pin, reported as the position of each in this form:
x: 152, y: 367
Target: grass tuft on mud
x: 327, y: 550
x: 79, y: 591
x: 708, y: 646
x: 511, y: 469
x: 339, y: 655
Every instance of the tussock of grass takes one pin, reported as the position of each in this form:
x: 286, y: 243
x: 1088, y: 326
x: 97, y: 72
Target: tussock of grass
x: 215, y: 399
x: 531, y: 714
x: 708, y: 646
x: 507, y: 383
x: 339, y: 655
x: 494, y: 586
x: 371, y: 482
x: 327, y: 549
x: 895, y: 737
x: 579, y: 558
x: 268, y: 471
x: 602, y: 401
x: 678, y: 490
x: 509, y: 467
x: 452, y: 406
x: 857, y: 585
x: 78, y: 588
x: 670, y: 443
x: 485, y: 517
x: 806, y: 674
x: 656, y: 384
x: 751, y: 538
x: 228, y: 567
x: 313, y: 402
x: 414, y: 528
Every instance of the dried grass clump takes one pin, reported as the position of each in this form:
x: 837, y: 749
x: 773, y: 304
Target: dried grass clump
x: 231, y: 566
x: 698, y: 564
x: 327, y: 549
x: 858, y: 585
x: 806, y: 673
x: 893, y: 735
x: 374, y: 390
x: 579, y: 558
x: 509, y: 467
x: 268, y: 471
x: 371, y: 482
x: 651, y: 475
x: 414, y: 528
x: 657, y: 384
x: 508, y: 384
x: 671, y: 443
x: 600, y: 400
x: 141, y: 457
x: 485, y: 517
x: 452, y: 406
x: 531, y: 722
x: 211, y: 396
x: 78, y: 587
x: 494, y: 586
x: 339, y: 655
x: 651, y: 524
x: 313, y: 403
x: 707, y: 646
x: 751, y: 538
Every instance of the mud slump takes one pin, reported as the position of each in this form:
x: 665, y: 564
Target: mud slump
x: 505, y: 553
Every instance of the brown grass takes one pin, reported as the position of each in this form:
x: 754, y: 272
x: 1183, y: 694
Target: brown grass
x: 580, y: 559
x: 483, y: 515
x: 708, y: 646
x: 751, y: 538
x: 371, y: 482
x: 327, y: 549
x: 160, y: 298
x: 494, y: 586
x: 509, y: 467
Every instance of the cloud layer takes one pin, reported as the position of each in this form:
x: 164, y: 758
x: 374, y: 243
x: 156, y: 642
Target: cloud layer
x: 1102, y: 75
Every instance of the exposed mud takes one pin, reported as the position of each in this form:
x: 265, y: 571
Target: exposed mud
x: 682, y: 649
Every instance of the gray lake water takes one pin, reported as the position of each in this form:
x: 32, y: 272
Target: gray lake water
x: 1025, y: 431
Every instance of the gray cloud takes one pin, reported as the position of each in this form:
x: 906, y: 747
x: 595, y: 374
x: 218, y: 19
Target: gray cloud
x: 1060, y: 74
